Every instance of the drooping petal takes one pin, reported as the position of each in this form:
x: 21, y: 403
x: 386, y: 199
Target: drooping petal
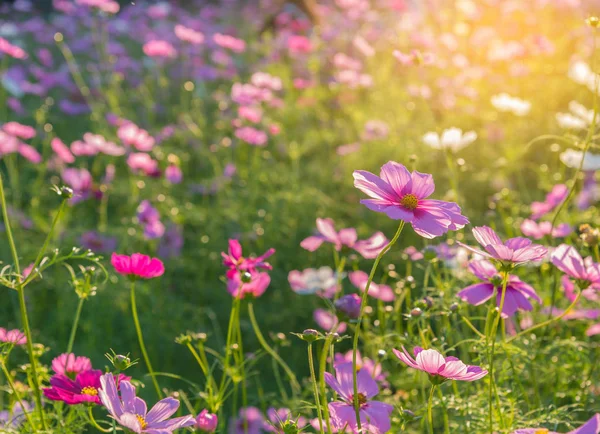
x: 377, y: 414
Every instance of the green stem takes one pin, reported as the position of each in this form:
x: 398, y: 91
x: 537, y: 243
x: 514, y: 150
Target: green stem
x: 230, y: 331
x: 23, y: 308
x: 138, y: 330
x: 15, y: 391
x: 94, y: 423
x: 359, y: 321
x: 272, y: 353
x: 327, y: 349
x: 430, y: 409
x: 75, y: 324
x: 313, y: 379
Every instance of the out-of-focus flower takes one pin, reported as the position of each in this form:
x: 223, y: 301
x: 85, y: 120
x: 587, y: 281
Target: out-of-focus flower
x: 80, y: 180
x: 375, y: 130
x: 402, y: 195
x: 374, y: 415
x: 69, y: 365
x: 328, y: 321
x: 158, y: 48
x: 553, y: 199
x: 131, y: 412
x: 15, y: 337
x: 586, y: 273
x: 572, y: 158
x: 249, y: 421
x: 298, y: 44
x: 438, y: 367
x: 243, y: 283
x: 62, y: 151
x: 590, y: 193
x: 132, y: 135
x: 362, y: 363
x: 539, y: 230
x: 282, y: 421
x: 29, y: 153
x: 11, y: 421
x: 140, y: 162
x: 451, y: 139
x: 378, y: 291
x: 21, y: 131
x: 592, y: 426
x: 348, y: 306
x: 227, y: 41
x: 137, y: 265
x: 108, y: 6
x: 252, y: 136
x: 171, y: 242
x: 322, y: 281
x: 415, y: 57
x: 206, y: 422
x: 97, y: 242
x: 580, y: 118
x: 506, y: 103
x: 413, y: 253
x: 517, y: 292
x: 515, y: 250
x: 12, y: 50
x: 189, y: 35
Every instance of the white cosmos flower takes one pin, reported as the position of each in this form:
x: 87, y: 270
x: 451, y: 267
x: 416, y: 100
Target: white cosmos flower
x: 580, y: 118
x: 452, y: 139
x: 572, y: 159
x: 506, y: 103
x: 580, y: 72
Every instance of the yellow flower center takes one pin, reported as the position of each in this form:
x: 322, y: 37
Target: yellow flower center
x: 541, y: 431
x: 409, y: 201
x: 362, y: 399
x: 89, y: 390
x: 142, y: 421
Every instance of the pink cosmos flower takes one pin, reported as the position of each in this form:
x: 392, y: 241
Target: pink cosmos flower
x: 368, y: 248
x: 80, y: 180
x: 327, y: 321
x: 137, y: 265
x: 189, y: 35
x: 132, y: 135
x: 363, y: 363
x: 248, y: 94
x: 158, y: 48
x: 131, y: 412
x: 378, y: 291
x: 438, y: 367
x: 375, y: 130
x: 102, y: 145
x: 253, y: 283
x: 29, y: 153
x: 12, y: 50
x: 140, y: 162
x: 517, y: 292
x: 233, y: 259
x: 402, y: 195
x: 252, y: 114
x: 70, y: 365
x: 108, y: 6
x: 374, y: 415
x: 539, y: 230
x: 173, y: 174
x: 62, y: 151
x: 413, y: 253
x: 252, y: 136
x: 592, y: 426
x: 206, y: 422
x: 585, y: 272
x: 298, y: 44
x: 15, y: 337
x: 266, y: 81
x: 322, y: 282
x: 515, y: 250
x: 19, y: 130
x: 553, y: 199
x: 8, y: 143
x: 226, y: 41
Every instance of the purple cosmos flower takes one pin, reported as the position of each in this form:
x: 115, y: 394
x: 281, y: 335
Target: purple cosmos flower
x: 83, y: 389
x: 515, y: 250
x: 539, y: 230
x: 368, y: 248
x: 171, y: 243
x: 282, y: 418
x: 402, y: 195
x: 585, y: 272
x: 438, y: 367
x: 374, y: 415
x: 97, y: 242
x: 592, y: 426
x: 327, y: 321
x: 517, y: 292
x: 15, y: 337
x: 590, y: 193
x: 378, y: 291
x: 131, y: 412
x: 322, y: 281
x: 250, y: 421
x: 553, y: 199
x: 11, y: 421
x: 69, y: 365
x: 206, y: 422
x: 348, y: 305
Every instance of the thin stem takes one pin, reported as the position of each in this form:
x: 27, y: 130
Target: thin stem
x: 94, y: 423
x: 313, y: 379
x: 75, y: 324
x: 15, y: 391
x: 430, y: 409
x: 138, y: 330
x: 272, y: 353
x: 359, y: 322
x: 327, y: 349
x: 230, y: 332
x: 23, y: 308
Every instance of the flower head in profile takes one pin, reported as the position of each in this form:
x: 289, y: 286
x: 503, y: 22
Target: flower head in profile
x: 553, y: 199
x: 137, y: 265
x: 451, y: 139
x: 537, y: 231
x: 234, y: 258
x: 282, y: 421
x: 131, y: 412
x: 206, y: 421
x: 379, y: 291
x: 348, y: 237
x: 14, y: 337
x: 68, y: 364
x: 592, y: 426
x: 374, y: 415
x: 402, y: 195
x: 329, y: 321
x: 585, y: 272
x: 440, y: 368
x: 517, y: 295
x: 321, y: 281
x: 513, y: 251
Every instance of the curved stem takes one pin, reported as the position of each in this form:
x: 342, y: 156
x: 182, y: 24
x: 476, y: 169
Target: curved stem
x: 75, y: 324
x: 359, y: 321
x: 94, y: 423
x: 313, y: 379
x: 23, y: 309
x: 430, y: 409
x: 15, y: 391
x: 138, y: 330
x: 272, y: 353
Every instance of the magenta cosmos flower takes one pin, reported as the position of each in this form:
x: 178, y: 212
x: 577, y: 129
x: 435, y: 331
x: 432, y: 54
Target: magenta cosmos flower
x: 206, y: 422
x: 234, y: 259
x: 592, y: 426
x: 70, y: 365
x: 585, y: 272
x: 83, y: 389
x: 378, y: 291
x: 402, y: 195
x: 369, y: 248
x: 438, y: 367
x: 245, y: 273
x: 131, y: 412
x: 137, y: 265
x: 517, y: 292
x: 15, y: 337
x: 515, y: 250
x: 374, y: 415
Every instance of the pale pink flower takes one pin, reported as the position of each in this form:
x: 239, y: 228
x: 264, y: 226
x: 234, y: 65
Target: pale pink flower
x: 378, y: 291
x: 157, y: 48
x: 189, y: 35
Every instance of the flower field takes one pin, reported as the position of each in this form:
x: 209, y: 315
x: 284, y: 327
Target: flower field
x: 308, y: 216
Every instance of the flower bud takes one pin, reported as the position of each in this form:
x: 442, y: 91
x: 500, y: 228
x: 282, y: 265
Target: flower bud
x: 246, y: 277
x: 309, y: 335
x: 121, y: 362
x: 348, y: 306
x: 206, y: 422
x: 416, y: 312
x: 593, y: 22
x: 184, y: 339
x: 454, y: 307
